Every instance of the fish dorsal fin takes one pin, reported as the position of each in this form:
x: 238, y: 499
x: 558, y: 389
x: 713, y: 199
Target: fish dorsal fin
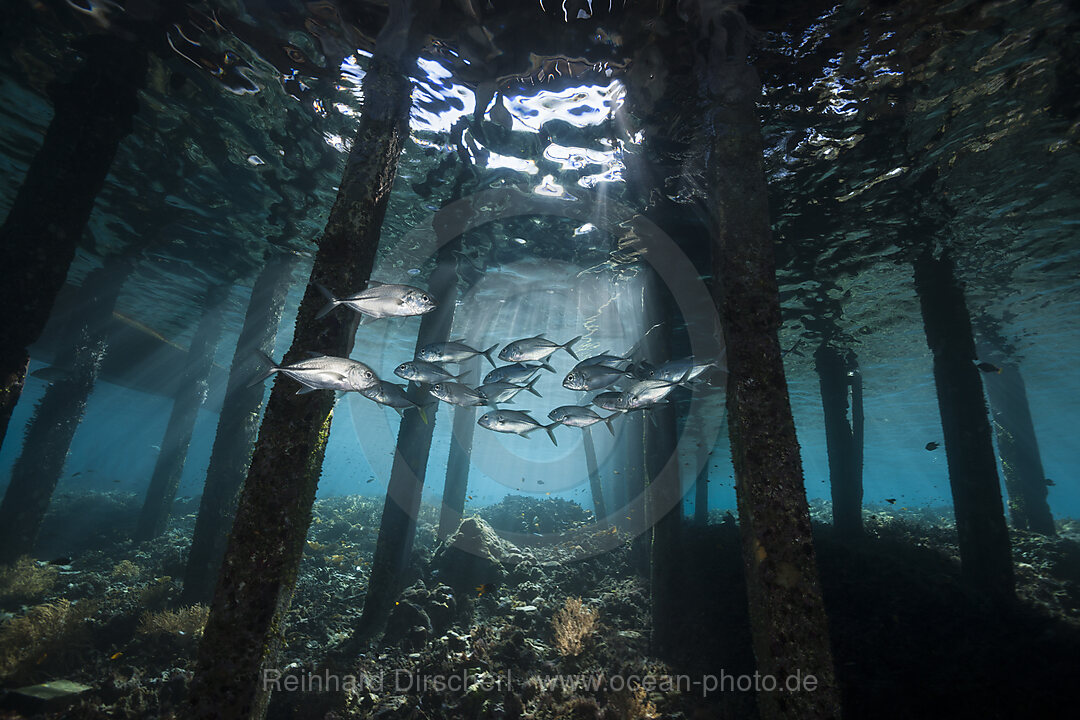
x: 458, y: 340
x: 374, y: 283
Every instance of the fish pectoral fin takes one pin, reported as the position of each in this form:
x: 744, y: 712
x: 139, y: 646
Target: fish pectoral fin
x: 305, y: 389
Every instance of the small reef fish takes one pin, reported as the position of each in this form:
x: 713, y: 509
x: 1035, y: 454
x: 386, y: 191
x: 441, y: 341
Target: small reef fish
x: 504, y: 392
x: 578, y: 416
x: 535, y: 348
x: 381, y: 300
x: 516, y: 373
x: 454, y: 351
x: 593, y: 377
x: 988, y: 368
x: 323, y: 372
x: 392, y: 395
x: 457, y: 394
x: 932, y: 446
x: 514, y: 421
x: 419, y: 371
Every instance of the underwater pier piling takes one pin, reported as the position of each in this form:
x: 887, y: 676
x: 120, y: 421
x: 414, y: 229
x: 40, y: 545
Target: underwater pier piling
x: 665, y: 560
x: 595, y: 486
x: 457, y: 464
x: 397, y: 529
x: 245, y: 628
x: 788, y: 623
x: 60, y: 410
x: 192, y: 394
x: 1021, y: 461
x: 237, y: 429
x: 843, y: 436
x: 93, y: 111
x: 985, y: 558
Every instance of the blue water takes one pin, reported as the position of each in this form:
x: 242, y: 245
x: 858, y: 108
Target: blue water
x: 1013, y: 230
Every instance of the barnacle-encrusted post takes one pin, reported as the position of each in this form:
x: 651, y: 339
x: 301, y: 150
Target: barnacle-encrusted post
x: 985, y: 559
x: 93, y: 111
x: 597, y: 490
x: 457, y: 464
x: 258, y: 572
x: 237, y: 429
x: 787, y: 613
x: 397, y: 527
x: 60, y: 411
x: 189, y: 398
x: 843, y: 439
x: 1021, y: 462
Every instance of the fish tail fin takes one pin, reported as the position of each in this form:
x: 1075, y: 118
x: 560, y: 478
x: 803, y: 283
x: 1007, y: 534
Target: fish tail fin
x: 332, y: 302
x: 531, y: 389
x: 607, y: 421
x: 274, y: 367
x: 569, y: 347
x: 487, y: 354
x: 549, y: 429
x: 545, y: 366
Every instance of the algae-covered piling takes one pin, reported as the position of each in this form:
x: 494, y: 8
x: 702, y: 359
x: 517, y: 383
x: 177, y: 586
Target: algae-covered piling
x: 980, y: 516
x: 93, y: 111
x: 189, y: 399
x: 236, y: 431
x: 787, y: 614
x: 258, y: 574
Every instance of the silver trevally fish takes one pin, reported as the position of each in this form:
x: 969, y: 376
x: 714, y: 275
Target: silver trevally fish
x: 646, y: 393
x: 392, y: 395
x: 454, y: 351
x: 593, y: 377
x: 379, y: 300
x: 611, y: 401
x: 504, y: 392
x: 516, y: 373
x: 514, y: 421
x: 679, y: 370
x: 578, y: 416
x: 611, y: 361
x: 535, y: 348
x: 324, y: 372
x: 419, y: 371
x: 457, y: 394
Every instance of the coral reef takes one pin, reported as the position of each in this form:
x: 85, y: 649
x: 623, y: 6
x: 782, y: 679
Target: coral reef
x: 185, y: 622
x: 50, y: 630
x: 572, y: 626
x: 25, y: 580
